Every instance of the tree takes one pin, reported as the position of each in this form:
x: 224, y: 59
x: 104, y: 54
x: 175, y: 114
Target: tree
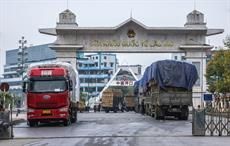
x: 227, y: 42
x: 83, y: 96
x: 218, y: 70
x: 7, y: 100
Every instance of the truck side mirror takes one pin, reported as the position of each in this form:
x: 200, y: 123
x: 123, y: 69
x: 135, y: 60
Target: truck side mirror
x: 70, y: 85
x: 24, y: 87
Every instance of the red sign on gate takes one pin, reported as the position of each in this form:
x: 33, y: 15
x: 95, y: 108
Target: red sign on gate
x: 4, y: 87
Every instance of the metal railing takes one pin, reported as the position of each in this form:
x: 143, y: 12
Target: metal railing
x: 211, y: 122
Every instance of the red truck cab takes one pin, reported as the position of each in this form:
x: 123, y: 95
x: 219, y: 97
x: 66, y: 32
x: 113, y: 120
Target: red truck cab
x: 51, y: 94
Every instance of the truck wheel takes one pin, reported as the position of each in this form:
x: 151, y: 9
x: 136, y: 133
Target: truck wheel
x: 159, y: 113
x: 146, y: 109
x: 153, y: 115
x: 32, y: 123
x: 157, y: 117
x: 67, y: 122
x: 184, y: 113
x: 74, y: 117
x: 106, y: 110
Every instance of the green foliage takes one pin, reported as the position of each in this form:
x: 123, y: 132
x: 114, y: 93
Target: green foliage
x: 83, y: 96
x: 8, y: 98
x: 227, y: 41
x: 218, y: 70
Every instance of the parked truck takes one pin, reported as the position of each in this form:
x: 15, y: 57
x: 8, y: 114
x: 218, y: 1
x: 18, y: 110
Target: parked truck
x: 129, y: 101
x: 52, y: 93
x: 166, y: 89
x: 112, y: 100
x: 81, y: 106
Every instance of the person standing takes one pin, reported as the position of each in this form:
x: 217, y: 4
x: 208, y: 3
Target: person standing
x: 143, y: 106
x: 95, y: 108
x: 99, y: 107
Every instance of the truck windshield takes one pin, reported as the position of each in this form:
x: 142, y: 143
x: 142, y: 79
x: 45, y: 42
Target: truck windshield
x: 48, y: 86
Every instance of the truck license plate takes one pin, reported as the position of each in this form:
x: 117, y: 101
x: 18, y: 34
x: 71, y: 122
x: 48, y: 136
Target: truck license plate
x: 46, y: 112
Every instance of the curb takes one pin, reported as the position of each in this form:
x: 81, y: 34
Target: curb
x: 18, y: 121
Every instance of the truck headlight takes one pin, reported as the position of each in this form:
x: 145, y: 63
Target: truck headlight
x: 30, y: 110
x: 63, y: 109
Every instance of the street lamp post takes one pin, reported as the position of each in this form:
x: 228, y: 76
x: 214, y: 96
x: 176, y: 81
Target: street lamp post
x: 22, y: 59
x: 88, y: 96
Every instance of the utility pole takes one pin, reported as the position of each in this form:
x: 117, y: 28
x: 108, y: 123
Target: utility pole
x: 22, y: 59
x: 88, y: 96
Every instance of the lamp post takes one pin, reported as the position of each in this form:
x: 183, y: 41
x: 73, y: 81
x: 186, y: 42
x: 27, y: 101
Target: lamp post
x: 202, y: 83
x: 88, y: 87
x: 22, y: 59
x: 109, y: 75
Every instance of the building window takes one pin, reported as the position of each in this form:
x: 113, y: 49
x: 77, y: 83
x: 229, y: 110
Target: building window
x: 99, y: 89
x: 82, y: 80
x: 96, y: 57
x: 105, y: 64
x: 175, y: 57
x: 111, y: 64
x: 105, y: 57
x: 96, y: 64
x: 100, y: 80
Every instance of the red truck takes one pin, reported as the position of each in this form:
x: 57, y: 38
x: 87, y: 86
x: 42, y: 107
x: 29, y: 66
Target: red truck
x: 52, y: 93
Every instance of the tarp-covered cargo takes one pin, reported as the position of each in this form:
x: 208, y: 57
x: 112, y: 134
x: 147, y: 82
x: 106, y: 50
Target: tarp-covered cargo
x: 169, y: 73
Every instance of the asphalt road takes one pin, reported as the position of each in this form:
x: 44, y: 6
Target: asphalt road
x: 113, y: 129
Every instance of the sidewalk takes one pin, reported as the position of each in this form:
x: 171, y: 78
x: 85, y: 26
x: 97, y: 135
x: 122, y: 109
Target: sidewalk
x: 17, y: 142
x: 20, y: 118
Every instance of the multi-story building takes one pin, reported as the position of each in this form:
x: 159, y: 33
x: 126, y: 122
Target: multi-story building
x: 95, y: 71
x: 34, y: 54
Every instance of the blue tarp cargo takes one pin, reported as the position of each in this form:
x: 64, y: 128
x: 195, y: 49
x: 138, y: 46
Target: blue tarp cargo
x: 169, y: 73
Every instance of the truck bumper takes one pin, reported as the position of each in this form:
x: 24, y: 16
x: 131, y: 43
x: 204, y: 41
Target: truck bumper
x: 46, y: 115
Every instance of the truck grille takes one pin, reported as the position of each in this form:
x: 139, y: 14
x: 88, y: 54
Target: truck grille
x: 46, y: 105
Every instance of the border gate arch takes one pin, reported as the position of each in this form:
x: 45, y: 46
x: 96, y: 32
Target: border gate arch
x: 132, y: 36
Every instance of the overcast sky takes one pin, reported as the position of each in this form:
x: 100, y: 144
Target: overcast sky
x: 25, y: 17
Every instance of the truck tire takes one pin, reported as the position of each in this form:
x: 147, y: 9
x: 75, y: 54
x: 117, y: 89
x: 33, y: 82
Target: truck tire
x: 184, y: 113
x: 152, y: 111
x: 106, y: 110
x: 159, y: 115
x: 32, y: 123
x: 133, y: 109
x: 153, y: 115
x: 74, y: 117
x: 67, y: 122
x: 147, y: 109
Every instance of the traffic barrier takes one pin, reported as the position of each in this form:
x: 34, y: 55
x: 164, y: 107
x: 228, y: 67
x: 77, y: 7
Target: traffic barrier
x: 5, y: 126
